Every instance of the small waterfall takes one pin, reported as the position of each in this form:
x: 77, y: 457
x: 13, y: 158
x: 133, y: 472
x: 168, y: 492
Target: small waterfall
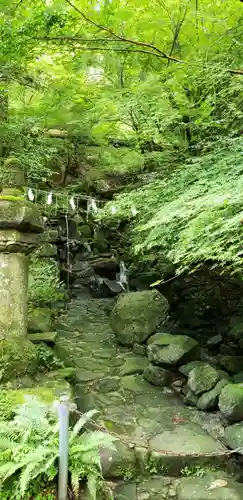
x: 92, y: 207
x: 122, y: 277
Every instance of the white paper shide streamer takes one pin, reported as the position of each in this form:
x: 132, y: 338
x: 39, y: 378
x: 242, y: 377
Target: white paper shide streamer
x: 72, y: 203
x: 31, y: 194
x: 91, y: 206
x: 49, y: 199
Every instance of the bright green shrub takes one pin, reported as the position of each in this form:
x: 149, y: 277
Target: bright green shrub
x: 29, y: 450
x: 43, y: 282
x: 193, y: 216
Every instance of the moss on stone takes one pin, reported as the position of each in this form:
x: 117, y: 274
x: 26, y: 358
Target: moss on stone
x: 20, y: 214
x: 120, y: 463
x: 209, y: 400
x: 231, y: 402
x: 157, y: 375
x: 48, y: 337
x: 17, y: 357
x: 10, y: 399
x: 202, y: 379
x: 233, y: 437
x: 40, y: 320
x: 133, y: 365
x: 11, y: 198
x: 170, y: 349
x: 137, y: 315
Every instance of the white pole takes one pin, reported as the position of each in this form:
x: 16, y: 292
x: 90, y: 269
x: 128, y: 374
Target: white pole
x: 63, y: 412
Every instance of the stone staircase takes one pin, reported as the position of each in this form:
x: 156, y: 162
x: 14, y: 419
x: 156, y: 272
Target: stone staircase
x: 160, y: 439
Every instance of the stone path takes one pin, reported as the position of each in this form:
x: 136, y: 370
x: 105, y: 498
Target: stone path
x: 158, y: 433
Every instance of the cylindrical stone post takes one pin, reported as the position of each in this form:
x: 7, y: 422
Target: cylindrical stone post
x: 13, y: 295
x: 20, y: 223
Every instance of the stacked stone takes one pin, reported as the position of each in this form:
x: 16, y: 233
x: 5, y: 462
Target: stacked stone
x: 20, y: 227
x: 135, y: 319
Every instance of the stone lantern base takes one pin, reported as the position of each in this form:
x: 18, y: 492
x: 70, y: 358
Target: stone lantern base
x: 18, y: 357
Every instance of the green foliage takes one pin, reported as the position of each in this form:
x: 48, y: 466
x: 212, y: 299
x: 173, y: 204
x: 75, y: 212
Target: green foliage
x: 43, y: 282
x: 198, y: 471
x: 29, y: 450
x: 47, y: 361
x: 11, y: 198
x: 69, y: 84
x: 193, y: 216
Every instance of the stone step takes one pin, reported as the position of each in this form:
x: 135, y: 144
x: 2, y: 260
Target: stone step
x: 156, y: 433
x: 212, y: 486
x: 48, y: 337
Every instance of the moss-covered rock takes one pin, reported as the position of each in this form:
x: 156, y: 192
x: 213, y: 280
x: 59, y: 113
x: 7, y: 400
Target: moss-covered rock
x: 202, y: 379
x: 120, y: 463
x: 190, y: 398
x: 209, y: 400
x: 47, y: 250
x: 233, y: 437
x: 133, y: 365
x: 188, y: 367
x: 164, y: 348
x: 232, y: 364
x: 10, y: 399
x: 157, y: 375
x: 203, y: 488
x: 231, y: 402
x: 21, y: 215
x: 238, y: 378
x: 236, y: 332
x: 48, y: 337
x: 139, y: 349
x: 17, y: 357
x: 50, y: 236
x: 40, y: 320
x: 107, y: 384
x: 13, y: 174
x: 136, y: 316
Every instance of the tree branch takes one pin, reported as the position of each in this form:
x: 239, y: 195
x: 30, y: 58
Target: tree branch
x: 236, y: 71
x: 113, y: 49
x: 122, y: 38
x: 177, y: 30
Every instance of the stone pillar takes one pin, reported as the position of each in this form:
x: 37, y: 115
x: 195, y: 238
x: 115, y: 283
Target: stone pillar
x: 20, y: 225
x: 13, y: 295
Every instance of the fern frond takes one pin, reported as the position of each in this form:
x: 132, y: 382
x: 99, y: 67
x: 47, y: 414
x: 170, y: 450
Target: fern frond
x: 92, y: 484
x: 80, y: 424
x: 97, y: 440
x: 7, y: 470
x: 75, y: 482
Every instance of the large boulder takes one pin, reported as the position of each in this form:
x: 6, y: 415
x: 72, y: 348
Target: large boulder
x: 231, y: 402
x: 136, y: 316
x: 164, y: 348
x: 202, y: 379
x: 233, y: 437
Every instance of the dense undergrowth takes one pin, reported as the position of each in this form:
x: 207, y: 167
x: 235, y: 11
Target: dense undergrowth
x: 29, y: 449
x: 92, y: 94
x: 192, y: 216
